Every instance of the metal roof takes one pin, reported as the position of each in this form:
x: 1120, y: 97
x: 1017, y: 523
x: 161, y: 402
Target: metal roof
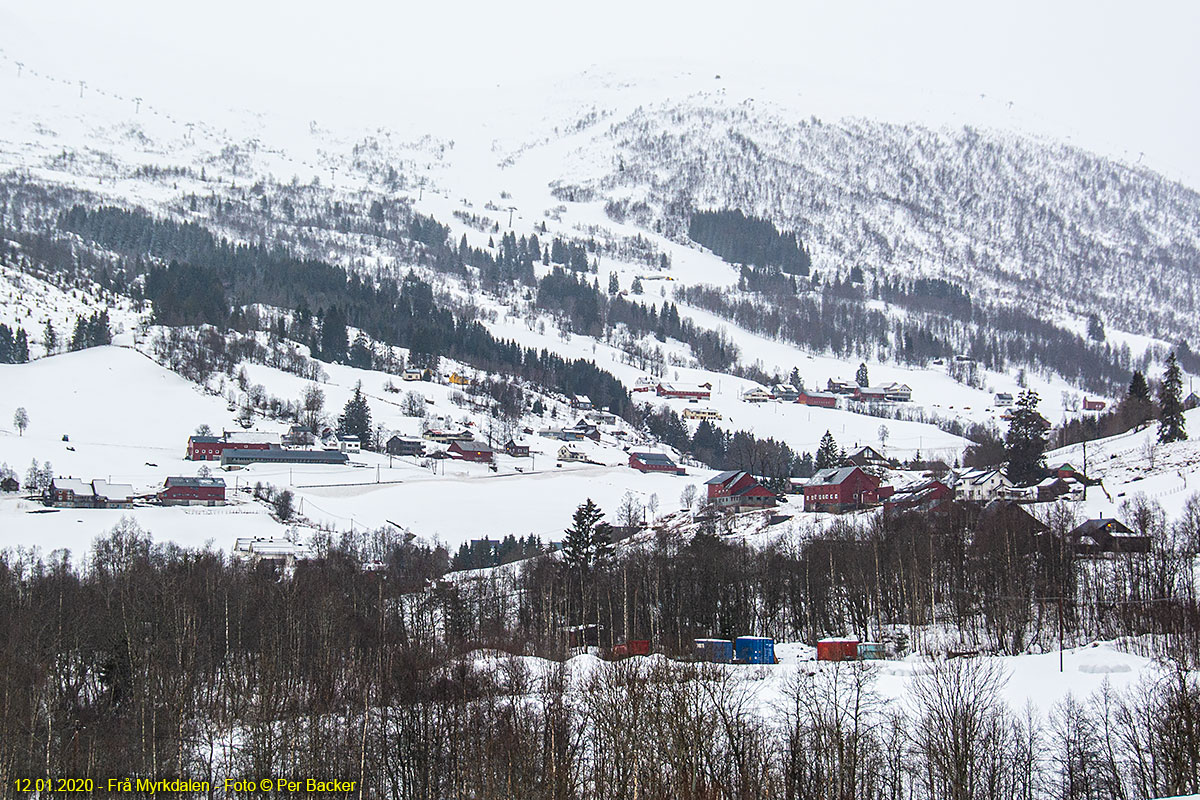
x: 282, y: 456
x: 654, y: 458
x: 831, y: 476
x: 474, y: 446
x: 194, y: 482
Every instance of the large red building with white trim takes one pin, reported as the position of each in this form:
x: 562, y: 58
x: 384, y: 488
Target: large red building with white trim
x: 210, y: 448
x: 701, y: 392
x: 843, y: 489
x: 738, y: 490
x: 183, y: 491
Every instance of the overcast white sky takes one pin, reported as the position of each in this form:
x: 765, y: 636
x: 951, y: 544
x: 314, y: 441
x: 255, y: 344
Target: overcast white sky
x: 1121, y: 78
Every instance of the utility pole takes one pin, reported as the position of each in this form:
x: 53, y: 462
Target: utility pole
x: 1060, y: 634
x: 1085, y: 477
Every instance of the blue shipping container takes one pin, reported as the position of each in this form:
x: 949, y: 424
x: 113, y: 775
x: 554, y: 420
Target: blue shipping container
x: 718, y: 651
x: 755, y: 650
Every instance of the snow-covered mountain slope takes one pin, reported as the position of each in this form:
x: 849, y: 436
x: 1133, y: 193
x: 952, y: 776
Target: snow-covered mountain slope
x: 1011, y: 218
x: 1039, y: 226
x: 1136, y: 463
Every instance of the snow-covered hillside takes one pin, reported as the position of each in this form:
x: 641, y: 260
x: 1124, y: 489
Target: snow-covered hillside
x: 1038, y: 225
x: 1135, y: 463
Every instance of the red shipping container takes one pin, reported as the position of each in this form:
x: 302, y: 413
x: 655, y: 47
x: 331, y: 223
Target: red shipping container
x: 837, y: 650
x: 632, y: 647
x: 638, y: 647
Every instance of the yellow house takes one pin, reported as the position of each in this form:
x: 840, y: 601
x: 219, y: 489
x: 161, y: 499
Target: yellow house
x: 459, y: 380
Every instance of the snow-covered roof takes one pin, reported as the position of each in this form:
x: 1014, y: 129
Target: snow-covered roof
x: 73, y: 485
x: 251, y: 437
x: 113, y: 491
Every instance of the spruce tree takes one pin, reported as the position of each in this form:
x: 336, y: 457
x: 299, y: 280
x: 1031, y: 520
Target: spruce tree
x: 1137, y: 407
x: 1025, y: 443
x: 861, y: 377
x: 614, y: 285
x: 50, y: 338
x: 21, y: 347
x: 1171, y: 426
x: 98, y: 332
x: 333, y: 336
x: 79, y: 339
x: 588, y: 541
x: 356, y: 418
x: 360, y: 353
x: 828, y: 455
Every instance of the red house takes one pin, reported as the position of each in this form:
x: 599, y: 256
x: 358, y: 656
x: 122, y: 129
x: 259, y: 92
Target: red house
x: 1064, y: 469
x: 471, y: 451
x: 738, y: 490
x: 654, y: 462
x: 1093, y: 405
x: 843, y: 489
x: 818, y: 399
x: 192, y: 492
x: 701, y: 392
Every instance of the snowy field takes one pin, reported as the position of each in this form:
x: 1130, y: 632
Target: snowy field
x: 1030, y: 680
x: 126, y: 419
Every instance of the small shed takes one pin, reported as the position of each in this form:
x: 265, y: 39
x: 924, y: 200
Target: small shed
x: 837, y: 649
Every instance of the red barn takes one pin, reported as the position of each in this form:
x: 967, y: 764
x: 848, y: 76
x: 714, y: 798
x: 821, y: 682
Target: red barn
x: 738, y: 490
x: 471, y: 451
x: 192, y: 492
x: 1093, y: 405
x: 654, y: 462
x: 843, y: 489
x: 210, y: 448
x: 818, y: 399
x: 701, y: 392
x: 837, y: 650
